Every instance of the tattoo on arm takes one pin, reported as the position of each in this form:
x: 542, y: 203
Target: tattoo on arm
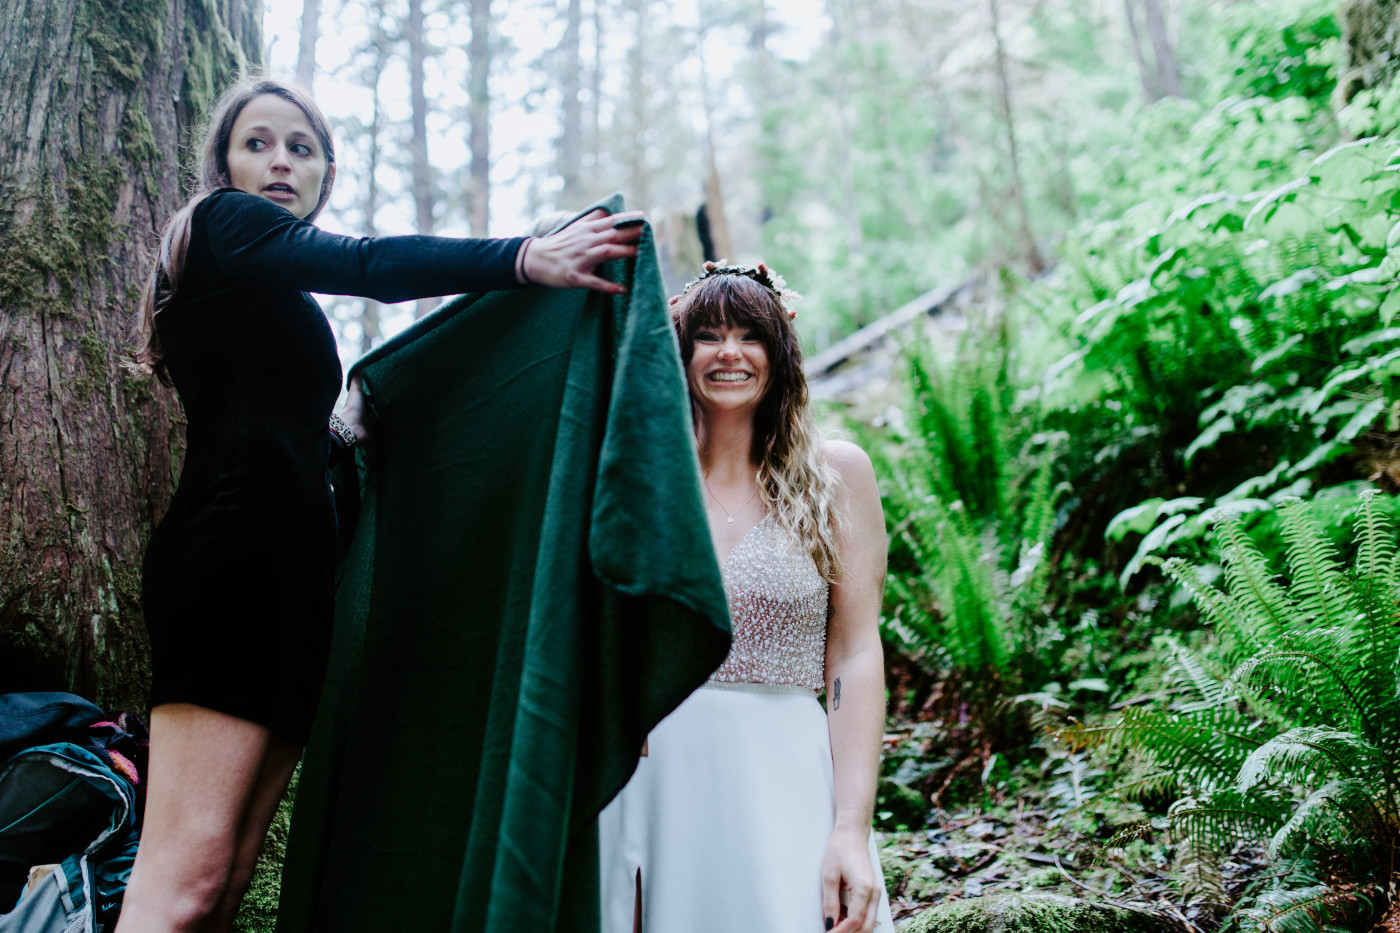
x: 836, y: 694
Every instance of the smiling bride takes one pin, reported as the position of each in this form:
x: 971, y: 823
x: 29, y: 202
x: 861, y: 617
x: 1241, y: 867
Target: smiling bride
x: 751, y: 806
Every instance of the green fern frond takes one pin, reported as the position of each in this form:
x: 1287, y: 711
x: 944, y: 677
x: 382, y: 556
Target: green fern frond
x: 1307, y: 754
x: 1213, y: 690
x: 1311, y: 909
x: 1319, y: 589
x: 1153, y: 785
x: 1199, y: 748
x: 1316, y: 681
x: 1217, y: 607
x: 1338, y: 810
x: 1220, y: 827
x: 1262, y: 611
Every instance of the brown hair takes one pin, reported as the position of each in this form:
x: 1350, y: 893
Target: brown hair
x: 212, y: 173
x: 795, y: 484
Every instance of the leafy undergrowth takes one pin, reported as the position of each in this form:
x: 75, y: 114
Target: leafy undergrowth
x: 1032, y: 830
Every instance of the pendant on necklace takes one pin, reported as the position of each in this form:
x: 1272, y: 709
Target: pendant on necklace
x: 731, y: 519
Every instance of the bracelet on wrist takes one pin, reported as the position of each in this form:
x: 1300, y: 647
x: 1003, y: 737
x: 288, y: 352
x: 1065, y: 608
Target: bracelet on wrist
x: 342, y: 431
x: 521, y: 275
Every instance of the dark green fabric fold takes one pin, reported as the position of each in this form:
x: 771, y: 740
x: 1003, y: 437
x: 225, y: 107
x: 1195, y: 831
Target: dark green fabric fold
x: 528, y: 586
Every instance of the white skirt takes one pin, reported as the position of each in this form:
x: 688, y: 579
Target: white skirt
x: 727, y: 819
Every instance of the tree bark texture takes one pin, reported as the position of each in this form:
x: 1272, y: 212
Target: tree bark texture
x: 479, y: 120
x: 97, y: 100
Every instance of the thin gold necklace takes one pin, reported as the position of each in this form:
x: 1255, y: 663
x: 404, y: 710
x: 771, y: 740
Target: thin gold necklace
x: 729, y: 516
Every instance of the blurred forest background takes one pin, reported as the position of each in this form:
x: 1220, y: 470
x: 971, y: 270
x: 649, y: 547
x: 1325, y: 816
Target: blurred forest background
x: 1106, y: 287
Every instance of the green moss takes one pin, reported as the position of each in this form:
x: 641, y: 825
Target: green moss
x: 59, y: 244
x: 211, y: 55
x: 1033, y: 913
x: 123, y: 36
x: 42, y: 248
x: 94, y: 352
x: 258, y: 912
x: 138, y: 143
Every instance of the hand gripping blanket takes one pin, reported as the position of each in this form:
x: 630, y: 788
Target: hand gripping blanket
x: 528, y: 586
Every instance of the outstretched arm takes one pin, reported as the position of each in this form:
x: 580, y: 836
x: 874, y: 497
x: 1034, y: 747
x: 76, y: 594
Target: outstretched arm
x: 855, y: 690
x: 255, y: 239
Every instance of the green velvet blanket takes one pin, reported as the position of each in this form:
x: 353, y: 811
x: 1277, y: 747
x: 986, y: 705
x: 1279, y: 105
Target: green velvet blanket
x: 528, y: 586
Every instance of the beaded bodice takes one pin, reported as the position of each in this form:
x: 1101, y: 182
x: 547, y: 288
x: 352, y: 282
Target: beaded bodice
x: 778, y: 606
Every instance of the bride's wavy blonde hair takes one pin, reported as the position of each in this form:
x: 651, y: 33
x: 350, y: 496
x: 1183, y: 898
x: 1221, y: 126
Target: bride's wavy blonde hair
x: 795, y: 484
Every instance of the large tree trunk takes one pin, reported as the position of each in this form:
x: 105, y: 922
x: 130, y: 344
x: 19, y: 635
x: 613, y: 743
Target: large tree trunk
x: 96, y: 101
x: 479, y: 119
x: 422, y: 169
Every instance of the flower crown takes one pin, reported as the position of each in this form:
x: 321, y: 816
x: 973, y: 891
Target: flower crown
x: 760, y: 273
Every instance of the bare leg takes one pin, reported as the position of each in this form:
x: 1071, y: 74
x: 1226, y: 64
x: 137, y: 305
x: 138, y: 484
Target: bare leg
x: 204, y: 768
x: 278, y: 765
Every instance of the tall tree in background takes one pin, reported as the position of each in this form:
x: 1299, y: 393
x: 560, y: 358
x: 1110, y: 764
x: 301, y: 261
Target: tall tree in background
x: 94, y: 109
x: 595, y: 90
x: 721, y: 246
x: 422, y: 168
x: 638, y: 130
x: 306, y: 50
x: 1151, y: 89
x: 479, y: 119
x: 372, y: 59
x: 1029, y: 251
x: 1163, y: 77
x: 845, y: 141
x: 569, y: 154
x: 1168, y: 74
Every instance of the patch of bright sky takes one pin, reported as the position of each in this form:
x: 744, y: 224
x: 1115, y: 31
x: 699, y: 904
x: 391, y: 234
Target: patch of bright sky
x: 522, y: 131
x: 524, y: 116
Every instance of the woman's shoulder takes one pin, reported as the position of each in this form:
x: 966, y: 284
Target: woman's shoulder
x: 223, y: 204
x: 846, y: 458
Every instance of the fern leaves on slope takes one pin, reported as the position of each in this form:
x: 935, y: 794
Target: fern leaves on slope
x: 1297, y: 746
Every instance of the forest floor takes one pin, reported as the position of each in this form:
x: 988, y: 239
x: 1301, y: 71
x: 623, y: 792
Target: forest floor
x: 1043, y: 828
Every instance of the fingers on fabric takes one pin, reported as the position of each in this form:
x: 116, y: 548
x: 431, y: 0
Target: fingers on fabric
x: 567, y: 259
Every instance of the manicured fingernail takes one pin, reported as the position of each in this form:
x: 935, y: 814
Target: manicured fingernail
x: 830, y: 923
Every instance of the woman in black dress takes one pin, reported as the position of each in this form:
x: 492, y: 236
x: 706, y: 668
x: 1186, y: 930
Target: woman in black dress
x: 238, y: 574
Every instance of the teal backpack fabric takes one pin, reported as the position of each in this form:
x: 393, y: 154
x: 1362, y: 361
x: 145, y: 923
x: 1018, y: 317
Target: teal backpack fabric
x: 64, y: 804
x: 528, y: 586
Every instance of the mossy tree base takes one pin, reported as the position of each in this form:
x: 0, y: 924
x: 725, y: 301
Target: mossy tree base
x: 1033, y: 913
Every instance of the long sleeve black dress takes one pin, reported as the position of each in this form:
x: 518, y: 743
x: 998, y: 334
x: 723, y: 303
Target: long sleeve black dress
x: 237, y: 580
